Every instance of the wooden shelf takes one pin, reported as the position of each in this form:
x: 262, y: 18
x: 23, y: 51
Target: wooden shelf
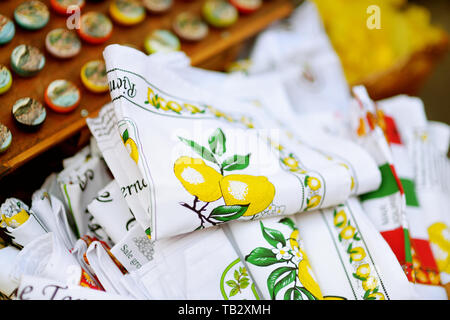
x: 58, y: 127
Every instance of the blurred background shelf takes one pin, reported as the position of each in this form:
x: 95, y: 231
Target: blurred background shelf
x: 216, y: 50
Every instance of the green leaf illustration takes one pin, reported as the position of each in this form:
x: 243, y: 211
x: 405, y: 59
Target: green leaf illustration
x: 227, y: 213
x: 307, y: 293
x: 232, y: 283
x: 236, y: 162
x: 289, y: 223
x: 236, y: 275
x: 125, y: 135
x: 358, y: 277
x: 217, y: 142
x: 244, y: 283
x: 272, y: 236
x: 349, y: 248
x: 273, y: 277
x: 284, y: 282
x: 366, y: 295
x: 292, y: 294
x: 262, y: 257
x: 202, y: 151
x: 234, y: 291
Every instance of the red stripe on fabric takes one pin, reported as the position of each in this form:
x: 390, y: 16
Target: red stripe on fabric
x: 424, y: 253
x: 391, y: 130
x: 400, y: 186
x: 395, y: 239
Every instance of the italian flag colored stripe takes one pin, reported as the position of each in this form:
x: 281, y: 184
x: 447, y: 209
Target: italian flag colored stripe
x: 410, y: 192
x: 388, y: 185
x: 399, y: 241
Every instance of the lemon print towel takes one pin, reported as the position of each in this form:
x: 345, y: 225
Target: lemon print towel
x: 187, y: 158
x: 275, y: 256
x: 364, y: 266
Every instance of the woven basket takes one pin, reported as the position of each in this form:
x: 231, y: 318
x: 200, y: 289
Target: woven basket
x: 408, y: 75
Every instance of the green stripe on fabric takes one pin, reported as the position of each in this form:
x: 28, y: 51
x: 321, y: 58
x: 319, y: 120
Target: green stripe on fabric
x: 410, y: 192
x: 408, y: 254
x: 388, y: 184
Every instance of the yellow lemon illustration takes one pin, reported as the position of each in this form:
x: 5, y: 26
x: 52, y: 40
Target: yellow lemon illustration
x: 421, y: 276
x: 174, y: 106
x: 340, y: 219
x: 370, y: 283
x: 247, y: 122
x: 132, y: 149
x: 377, y: 296
x: 352, y: 185
x: 333, y: 298
x: 255, y: 191
x: 198, y: 179
x: 293, y: 239
x: 440, y: 243
x: 192, y: 108
x: 314, y: 201
x: 434, y: 277
x: 348, y: 232
x: 16, y: 220
x: 306, y: 277
x: 291, y: 163
x: 357, y: 254
x: 363, y: 271
x: 313, y: 183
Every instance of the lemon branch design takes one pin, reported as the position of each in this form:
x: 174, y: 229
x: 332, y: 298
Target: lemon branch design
x: 296, y: 271
x: 244, y: 195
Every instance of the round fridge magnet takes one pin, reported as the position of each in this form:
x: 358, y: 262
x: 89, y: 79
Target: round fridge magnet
x: 219, y: 13
x: 64, y: 6
x: 157, y: 6
x: 62, y: 43
x: 161, y: 41
x: 5, y: 138
x: 95, y: 27
x: 28, y: 113
x: 32, y: 15
x: 5, y: 79
x: 190, y: 26
x: 62, y: 96
x: 7, y: 29
x: 127, y: 12
x: 93, y: 76
x: 27, y: 60
x: 246, y: 6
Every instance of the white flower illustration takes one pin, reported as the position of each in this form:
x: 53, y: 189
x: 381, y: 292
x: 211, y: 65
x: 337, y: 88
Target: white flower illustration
x: 281, y: 252
x: 298, y: 256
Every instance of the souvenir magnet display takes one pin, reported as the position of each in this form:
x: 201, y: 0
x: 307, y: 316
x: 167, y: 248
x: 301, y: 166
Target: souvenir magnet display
x: 219, y: 13
x: 28, y: 113
x: 27, y: 60
x: 62, y: 96
x: 93, y: 76
x: 157, y: 6
x: 5, y: 138
x: 5, y: 79
x: 161, y: 41
x: 32, y: 15
x: 246, y: 6
x: 62, y: 43
x: 190, y: 26
x: 127, y: 12
x: 95, y: 27
x: 62, y: 6
x: 7, y: 29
